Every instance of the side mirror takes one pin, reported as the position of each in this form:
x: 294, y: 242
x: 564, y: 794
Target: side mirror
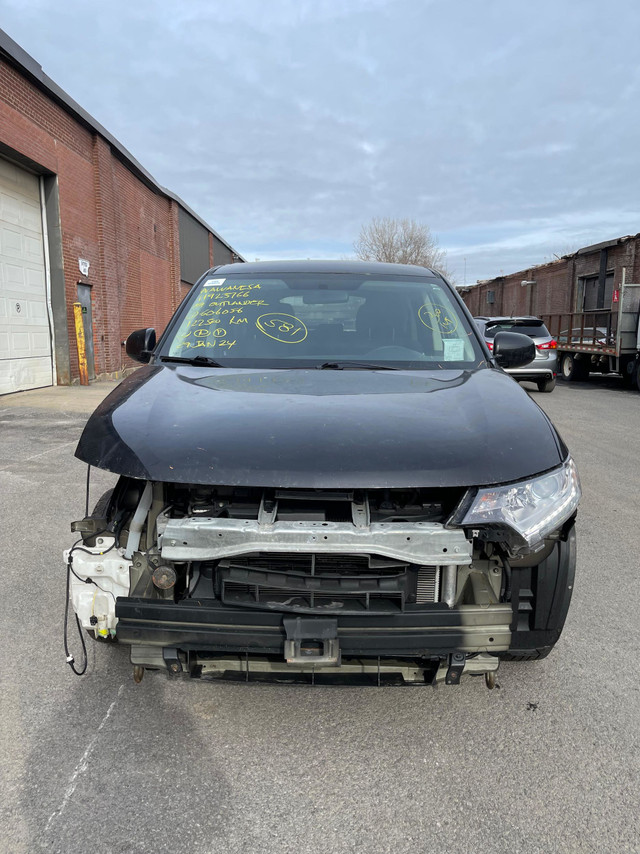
x: 140, y: 344
x: 513, y: 349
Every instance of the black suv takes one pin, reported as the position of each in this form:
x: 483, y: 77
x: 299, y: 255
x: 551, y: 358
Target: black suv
x: 324, y: 473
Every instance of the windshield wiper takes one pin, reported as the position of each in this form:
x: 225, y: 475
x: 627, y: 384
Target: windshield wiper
x: 192, y: 360
x: 363, y: 366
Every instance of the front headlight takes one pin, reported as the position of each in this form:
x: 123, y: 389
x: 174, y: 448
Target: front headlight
x: 532, y: 508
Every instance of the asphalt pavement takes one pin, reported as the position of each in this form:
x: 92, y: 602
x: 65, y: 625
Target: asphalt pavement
x: 549, y: 761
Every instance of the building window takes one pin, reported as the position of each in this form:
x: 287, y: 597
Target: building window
x: 491, y: 297
x: 590, y: 296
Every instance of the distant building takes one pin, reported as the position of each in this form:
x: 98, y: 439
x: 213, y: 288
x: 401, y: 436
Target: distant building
x: 81, y: 219
x: 582, y: 281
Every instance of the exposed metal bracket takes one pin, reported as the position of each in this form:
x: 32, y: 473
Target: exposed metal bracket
x: 171, y: 658
x: 268, y: 510
x: 479, y: 664
x: 312, y: 641
x: 456, y: 666
x: 360, y: 513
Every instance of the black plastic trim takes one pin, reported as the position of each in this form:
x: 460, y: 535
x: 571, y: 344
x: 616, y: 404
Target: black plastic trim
x: 208, y: 625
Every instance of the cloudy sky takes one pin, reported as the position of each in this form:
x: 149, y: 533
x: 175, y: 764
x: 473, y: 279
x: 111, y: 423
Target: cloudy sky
x: 511, y: 128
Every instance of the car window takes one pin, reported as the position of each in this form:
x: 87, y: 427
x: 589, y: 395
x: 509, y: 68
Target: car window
x: 310, y: 318
x: 533, y: 328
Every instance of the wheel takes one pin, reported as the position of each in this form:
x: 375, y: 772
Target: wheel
x: 636, y: 374
x: 525, y: 654
x: 546, y: 385
x: 573, y: 370
x: 629, y: 379
x: 101, y: 513
x: 102, y: 505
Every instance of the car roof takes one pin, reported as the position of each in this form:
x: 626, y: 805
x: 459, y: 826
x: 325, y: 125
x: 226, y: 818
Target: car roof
x: 362, y: 267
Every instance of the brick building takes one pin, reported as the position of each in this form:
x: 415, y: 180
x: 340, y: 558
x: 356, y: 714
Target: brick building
x: 81, y: 219
x: 583, y: 281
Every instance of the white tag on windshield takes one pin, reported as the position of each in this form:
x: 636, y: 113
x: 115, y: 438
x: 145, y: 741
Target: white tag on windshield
x: 214, y: 283
x: 453, y: 349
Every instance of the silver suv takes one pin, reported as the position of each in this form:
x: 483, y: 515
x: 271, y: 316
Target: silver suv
x: 542, y: 370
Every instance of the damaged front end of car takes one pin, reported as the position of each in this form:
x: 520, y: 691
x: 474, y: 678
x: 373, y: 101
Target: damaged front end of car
x: 325, y: 474
x: 323, y: 585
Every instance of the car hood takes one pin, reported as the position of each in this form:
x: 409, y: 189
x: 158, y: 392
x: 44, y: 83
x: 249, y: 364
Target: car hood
x: 320, y: 429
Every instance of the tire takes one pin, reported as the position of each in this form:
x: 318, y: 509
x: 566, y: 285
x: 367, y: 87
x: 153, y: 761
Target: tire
x: 525, y: 654
x: 629, y: 379
x: 546, y: 386
x: 102, y: 506
x: 636, y: 374
x: 573, y: 370
x: 99, y: 512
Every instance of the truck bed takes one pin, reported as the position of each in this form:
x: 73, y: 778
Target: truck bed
x: 612, y: 332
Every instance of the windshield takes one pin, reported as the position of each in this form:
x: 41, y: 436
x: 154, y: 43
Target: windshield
x: 308, y: 319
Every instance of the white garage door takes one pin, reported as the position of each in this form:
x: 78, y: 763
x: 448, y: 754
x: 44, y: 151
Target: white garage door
x: 25, y: 336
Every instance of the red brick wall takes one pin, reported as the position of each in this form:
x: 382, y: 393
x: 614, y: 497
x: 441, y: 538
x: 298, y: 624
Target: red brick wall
x: 127, y: 231
x: 556, y: 282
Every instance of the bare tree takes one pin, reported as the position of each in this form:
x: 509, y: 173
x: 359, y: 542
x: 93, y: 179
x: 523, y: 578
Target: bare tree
x: 400, y: 241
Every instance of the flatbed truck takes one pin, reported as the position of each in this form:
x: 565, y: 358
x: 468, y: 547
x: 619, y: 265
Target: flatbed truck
x: 603, y: 341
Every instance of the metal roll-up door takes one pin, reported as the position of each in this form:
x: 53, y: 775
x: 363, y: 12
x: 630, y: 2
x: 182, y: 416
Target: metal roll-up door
x: 25, y: 334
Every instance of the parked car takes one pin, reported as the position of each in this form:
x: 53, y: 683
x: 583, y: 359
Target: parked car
x: 541, y: 370
x: 588, y: 335
x: 323, y: 471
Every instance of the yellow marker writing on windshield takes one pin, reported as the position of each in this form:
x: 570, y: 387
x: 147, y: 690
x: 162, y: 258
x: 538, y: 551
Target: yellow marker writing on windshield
x: 282, y: 327
x: 438, y: 317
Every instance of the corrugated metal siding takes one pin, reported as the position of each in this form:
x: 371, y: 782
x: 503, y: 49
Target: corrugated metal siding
x: 194, y: 247
x: 221, y: 253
